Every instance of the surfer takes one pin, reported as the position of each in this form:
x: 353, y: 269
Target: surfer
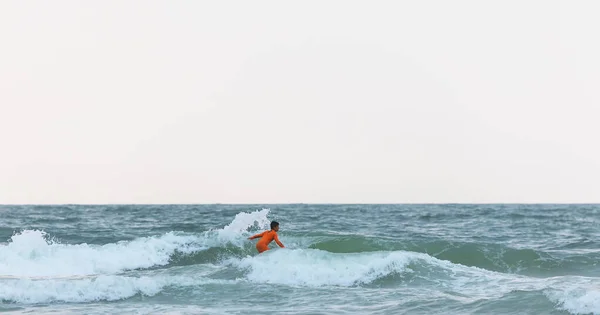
x: 267, y: 237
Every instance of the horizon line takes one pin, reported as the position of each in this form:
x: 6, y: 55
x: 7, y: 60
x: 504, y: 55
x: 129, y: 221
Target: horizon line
x: 302, y: 203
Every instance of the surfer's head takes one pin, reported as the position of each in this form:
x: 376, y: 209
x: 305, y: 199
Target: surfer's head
x: 275, y: 225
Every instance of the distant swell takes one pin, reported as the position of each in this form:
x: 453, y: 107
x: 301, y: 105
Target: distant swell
x: 492, y: 257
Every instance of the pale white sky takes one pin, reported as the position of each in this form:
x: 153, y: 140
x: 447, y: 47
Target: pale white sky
x: 305, y: 101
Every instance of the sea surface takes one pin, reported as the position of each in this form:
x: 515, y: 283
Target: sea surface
x: 339, y: 259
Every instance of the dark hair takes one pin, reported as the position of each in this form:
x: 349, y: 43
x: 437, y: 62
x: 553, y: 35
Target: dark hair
x: 274, y: 224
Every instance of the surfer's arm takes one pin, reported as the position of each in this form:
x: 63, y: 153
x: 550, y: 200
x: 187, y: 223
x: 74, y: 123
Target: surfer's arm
x: 255, y: 236
x: 277, y: 241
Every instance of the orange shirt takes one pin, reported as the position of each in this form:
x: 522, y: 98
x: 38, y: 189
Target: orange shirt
x: 266, y: 238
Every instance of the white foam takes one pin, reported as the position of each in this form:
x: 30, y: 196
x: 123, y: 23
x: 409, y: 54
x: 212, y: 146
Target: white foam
x: 236, y: 232
x: 577, y: 298
x: 101, y: 288
x: 243, y: 221
x: 29, y: 254
x: 120, y: 308
x: 314, y: 267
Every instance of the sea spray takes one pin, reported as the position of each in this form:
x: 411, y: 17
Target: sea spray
x: 29, y: 254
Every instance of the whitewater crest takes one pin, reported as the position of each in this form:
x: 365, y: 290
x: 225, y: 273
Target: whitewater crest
x: 30, y: 254
x: 467, y: 284
x: 36, y: 268
x: 312, y: 267
x: 580, y: 296
x: 33, y: 253
x: 237, y: 231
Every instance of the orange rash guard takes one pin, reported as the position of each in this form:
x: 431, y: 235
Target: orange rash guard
x: 266, y: 238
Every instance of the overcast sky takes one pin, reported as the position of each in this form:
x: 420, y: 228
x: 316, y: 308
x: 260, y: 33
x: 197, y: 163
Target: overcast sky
x: 304, y: 101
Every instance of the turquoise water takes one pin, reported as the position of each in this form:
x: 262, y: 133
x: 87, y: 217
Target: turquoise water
x: 340, y: 259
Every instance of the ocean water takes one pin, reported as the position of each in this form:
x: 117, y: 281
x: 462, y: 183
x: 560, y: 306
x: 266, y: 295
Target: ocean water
x: 339, y: 259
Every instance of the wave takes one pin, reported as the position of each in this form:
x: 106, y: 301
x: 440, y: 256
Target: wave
x: 31, y: 253
x: 34, y: 253
x: 316, y: 268
x: 96, y: 288
x: 36, y: 268
x: 494, y: 257
x: 577, y: 298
